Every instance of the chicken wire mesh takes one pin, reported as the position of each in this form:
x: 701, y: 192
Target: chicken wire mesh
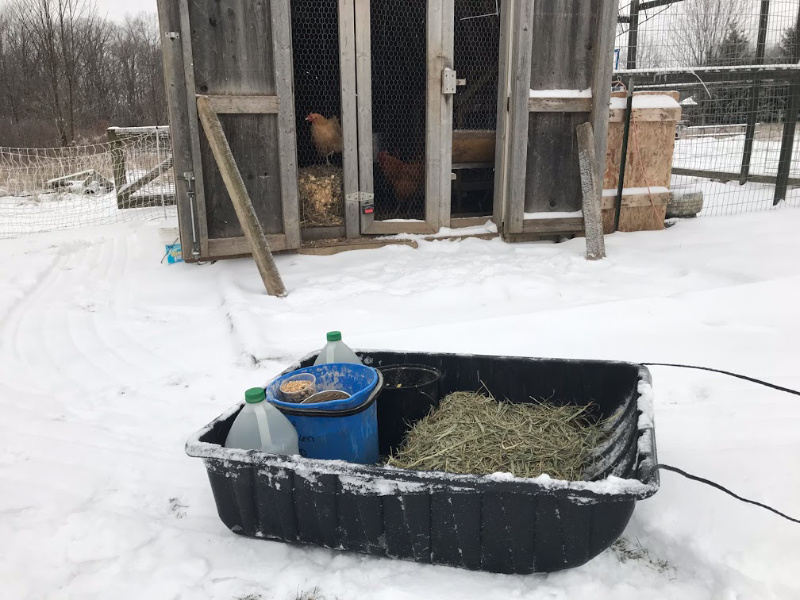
x: 45, y: 189
x: 476, y: 59
x: 735, y: 64
x: 317, y: 89
x: 399, y: 69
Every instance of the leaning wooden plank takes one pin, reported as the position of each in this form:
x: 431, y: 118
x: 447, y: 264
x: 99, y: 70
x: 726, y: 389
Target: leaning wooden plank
x: 592, y: 215
x: 131, y: 188
x: 241, y: 200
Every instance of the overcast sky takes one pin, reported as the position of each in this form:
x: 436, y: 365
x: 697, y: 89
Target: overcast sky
x: 117, y: 9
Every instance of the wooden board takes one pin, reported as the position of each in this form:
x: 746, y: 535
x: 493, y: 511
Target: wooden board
x: 640, y: 212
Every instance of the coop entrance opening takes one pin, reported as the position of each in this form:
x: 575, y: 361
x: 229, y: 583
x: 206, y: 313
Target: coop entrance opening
x: 318, y: 113
x: 476, y: 60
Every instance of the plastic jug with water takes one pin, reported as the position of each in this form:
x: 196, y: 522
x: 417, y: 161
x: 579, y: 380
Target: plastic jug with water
x: 261, y: 426
x: 336, y: 351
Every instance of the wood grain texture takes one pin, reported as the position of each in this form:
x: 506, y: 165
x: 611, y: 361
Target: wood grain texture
x: 245, y: 105
x: 364, y: 90
x: 564, y: 35
x: 286, y: 123
x: 560, y: 104
x: 519, y: 117
x: 347, y: 67
x: 552, y: 180
x: 503, y: 116
x: 233, y: 50
x: 592, y: 193
x: 201, y: 216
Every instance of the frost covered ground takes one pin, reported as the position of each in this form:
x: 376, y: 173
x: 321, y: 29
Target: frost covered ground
x: 109, y: 360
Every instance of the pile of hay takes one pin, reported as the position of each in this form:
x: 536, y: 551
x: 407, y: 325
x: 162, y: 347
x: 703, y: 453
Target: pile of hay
x: 472, y: 433
x: 321, y: 192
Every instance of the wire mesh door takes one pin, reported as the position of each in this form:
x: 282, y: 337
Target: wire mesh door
x: 396, y: 57
x: 476, y: 60
x: 322, y: 49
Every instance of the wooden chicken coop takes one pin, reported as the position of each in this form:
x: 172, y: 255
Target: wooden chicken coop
x: 357, y: 118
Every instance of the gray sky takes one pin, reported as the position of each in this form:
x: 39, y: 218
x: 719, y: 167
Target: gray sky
x: 117, y: 9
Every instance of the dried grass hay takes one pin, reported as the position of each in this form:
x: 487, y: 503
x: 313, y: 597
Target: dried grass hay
x: 472, y: 433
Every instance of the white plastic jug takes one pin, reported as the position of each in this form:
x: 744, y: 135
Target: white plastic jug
x: 261, y: 426
x: 336, y: 351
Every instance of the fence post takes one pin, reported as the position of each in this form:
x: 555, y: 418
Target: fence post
x: 633, y: 35
x: 790, y: 126
x: 118, y: 164
x: 755, y: 95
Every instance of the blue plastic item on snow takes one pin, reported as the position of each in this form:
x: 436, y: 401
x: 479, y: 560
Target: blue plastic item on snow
x: 340, y: 429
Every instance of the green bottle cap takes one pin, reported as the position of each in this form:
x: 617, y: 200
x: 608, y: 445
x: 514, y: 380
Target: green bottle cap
x: 255, y: 395
x: 334, y: 336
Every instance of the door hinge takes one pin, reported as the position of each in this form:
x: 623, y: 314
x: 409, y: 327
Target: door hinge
x: 449, y: 81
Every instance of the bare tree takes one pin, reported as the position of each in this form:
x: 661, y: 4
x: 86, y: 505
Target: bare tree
x: 700, y: 29
x: 66, y: 73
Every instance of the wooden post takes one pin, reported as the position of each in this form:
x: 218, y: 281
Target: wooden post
x: 633, y: 35
x: 118, y: 164
x: 755, y: 95
x: 592, y: 209
x: 240, y: 198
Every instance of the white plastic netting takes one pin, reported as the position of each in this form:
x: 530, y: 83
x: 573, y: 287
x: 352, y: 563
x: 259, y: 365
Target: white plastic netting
x: 130, y: 179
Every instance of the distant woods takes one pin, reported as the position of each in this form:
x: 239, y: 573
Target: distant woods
x: 67, y: 73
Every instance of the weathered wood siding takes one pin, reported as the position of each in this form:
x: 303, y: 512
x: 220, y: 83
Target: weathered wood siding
x: 562, y: 59
x: 233, y: 55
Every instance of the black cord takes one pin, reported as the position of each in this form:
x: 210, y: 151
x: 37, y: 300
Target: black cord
x: 737, y: 375
x: 706, y: 481
x: 727, y: 491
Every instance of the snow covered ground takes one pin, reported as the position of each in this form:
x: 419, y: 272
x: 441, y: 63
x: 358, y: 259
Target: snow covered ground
x: 109, y: 360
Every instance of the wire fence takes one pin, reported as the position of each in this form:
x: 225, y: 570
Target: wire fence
x: 735, y: 64
x: 127, y: 179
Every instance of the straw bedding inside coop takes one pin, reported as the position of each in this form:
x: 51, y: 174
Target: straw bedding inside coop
x: 321, y: 196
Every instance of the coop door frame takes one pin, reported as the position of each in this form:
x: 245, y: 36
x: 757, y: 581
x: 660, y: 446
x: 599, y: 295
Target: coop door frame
x: 517, y: 39
x: 438, y: 117
x: 186, y: 131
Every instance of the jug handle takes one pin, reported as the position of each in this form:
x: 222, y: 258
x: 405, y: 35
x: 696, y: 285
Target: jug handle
x: 263, y: 425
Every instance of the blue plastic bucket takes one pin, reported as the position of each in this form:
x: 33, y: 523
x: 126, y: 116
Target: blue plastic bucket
x: 339, y: 429
x: 356, y: 380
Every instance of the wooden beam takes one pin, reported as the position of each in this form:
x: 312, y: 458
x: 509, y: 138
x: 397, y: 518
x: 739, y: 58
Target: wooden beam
x: 280, y: 12
x: 199, y: 204
x: 240, y: 198
x: 349, y: 95
x: 245, y: 105
x: 579, y: 105
x: 557, y: 225
x: 238, y: 246
x: 503, y: 116
x: 364, y: 90
x: 517, y: 161
x: 592, y: 194
x: 130, y: 189
x: 397, y: 227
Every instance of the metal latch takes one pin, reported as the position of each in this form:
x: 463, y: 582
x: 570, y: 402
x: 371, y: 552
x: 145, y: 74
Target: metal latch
x: 367, y: 202
x: 173, y: 35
